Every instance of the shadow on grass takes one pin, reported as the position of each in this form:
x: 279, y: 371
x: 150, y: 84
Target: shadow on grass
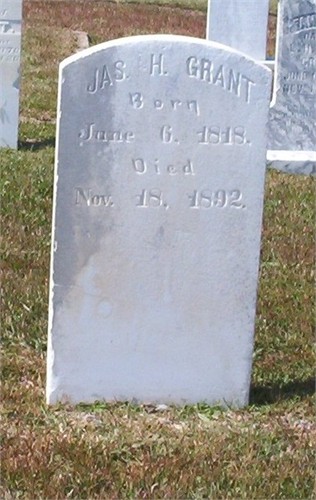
x: 36, y: 145
x: 261, y: 395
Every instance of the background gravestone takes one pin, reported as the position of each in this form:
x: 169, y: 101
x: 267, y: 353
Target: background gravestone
x: 239, y: 24
x: 292, y: 117
x: 10, y: 47
x: 157, y: 221
x: 292, y: 123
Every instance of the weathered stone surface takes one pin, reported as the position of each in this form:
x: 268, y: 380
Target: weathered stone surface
x: 239, y: 24
x: 159, y: 186
x: 292, y: 147
x: 10, y: 43
x: 292, y: 122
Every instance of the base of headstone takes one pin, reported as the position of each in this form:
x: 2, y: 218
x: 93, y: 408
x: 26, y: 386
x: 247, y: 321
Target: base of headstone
x: 293, y: 162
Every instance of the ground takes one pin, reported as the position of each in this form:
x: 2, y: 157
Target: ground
x: 124, y: 450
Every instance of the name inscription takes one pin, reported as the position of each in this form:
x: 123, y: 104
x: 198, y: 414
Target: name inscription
x: 300, y: 23
x: 202, y: 69
x: 302, y: 47
x: 221, y: 76
x: 106, y: 76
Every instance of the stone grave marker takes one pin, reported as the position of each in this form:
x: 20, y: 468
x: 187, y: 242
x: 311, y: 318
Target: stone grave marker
x: 10, y: 48
x: 159, y: 184
x: 241, y: 24
x: 292, y: 123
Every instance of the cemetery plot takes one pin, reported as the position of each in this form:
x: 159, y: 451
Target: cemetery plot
x: 159, y: 185
x: 10, y: 42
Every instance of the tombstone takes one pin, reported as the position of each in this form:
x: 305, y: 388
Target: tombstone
x: 10, y: 48
x: 243, y: 26
x: 239, y: 24
x: 292, y: 123
x: 159, y: 185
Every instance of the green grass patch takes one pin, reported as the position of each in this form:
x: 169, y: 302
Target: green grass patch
x: 124, y: 450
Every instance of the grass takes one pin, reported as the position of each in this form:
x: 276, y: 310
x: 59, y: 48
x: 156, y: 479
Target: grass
x: 184, y: 4
x: 188, y: 4
x: 122, y: 450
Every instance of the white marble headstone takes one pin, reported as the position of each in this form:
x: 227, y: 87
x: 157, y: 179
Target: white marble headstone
x: 159, y: 185
x: 292, y: 123
x: 10, y: 48
x: 241, y: 24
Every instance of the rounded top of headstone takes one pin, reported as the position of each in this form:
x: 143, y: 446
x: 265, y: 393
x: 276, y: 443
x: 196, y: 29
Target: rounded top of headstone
x: 163, y: 41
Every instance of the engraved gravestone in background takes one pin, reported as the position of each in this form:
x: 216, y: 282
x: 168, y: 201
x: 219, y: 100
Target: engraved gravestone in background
x: 243, y: 26
x: 10, y: 47
x: 292, y: 124
x: 157, y: 221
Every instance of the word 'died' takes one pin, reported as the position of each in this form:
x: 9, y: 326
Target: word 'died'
x: 88, y: 198
x: 142, y: 167
x: 138, y: 101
